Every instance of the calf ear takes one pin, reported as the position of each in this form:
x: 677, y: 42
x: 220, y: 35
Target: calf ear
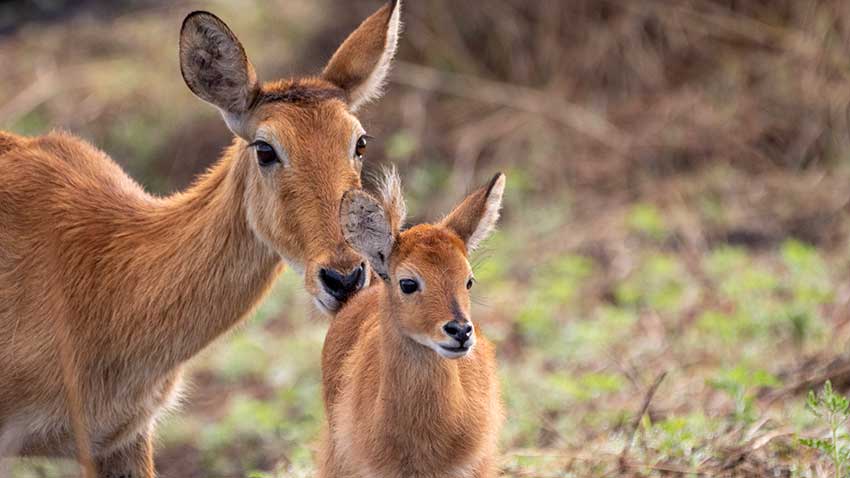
x: 361, y: 63
x: 475, y: 218
x: 392, y: 198
x: 368, y: 229
x: 216, y: 69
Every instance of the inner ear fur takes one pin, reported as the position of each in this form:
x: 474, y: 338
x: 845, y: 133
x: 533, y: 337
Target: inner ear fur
x: 361, y: 64
x: 215, y: 67
x: 475, y: 217
x: 392, y: 198
x: 367, y: 227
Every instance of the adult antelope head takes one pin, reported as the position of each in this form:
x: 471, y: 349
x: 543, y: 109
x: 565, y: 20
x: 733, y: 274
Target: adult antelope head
x: 304, y: 143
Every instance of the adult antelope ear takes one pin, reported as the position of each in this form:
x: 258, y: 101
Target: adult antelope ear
x: 361, y: 63
x: 475, y: 218
x: 216, y: 69
x: 367, y: 227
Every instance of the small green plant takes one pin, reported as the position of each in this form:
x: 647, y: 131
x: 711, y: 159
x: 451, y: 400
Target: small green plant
x: 259, y: 474
x: 833, y: 409
x: 647, y: 220
x: 741, y: 383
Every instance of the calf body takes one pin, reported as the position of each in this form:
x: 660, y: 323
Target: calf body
x: 410, y: 389
x: 396, y: 408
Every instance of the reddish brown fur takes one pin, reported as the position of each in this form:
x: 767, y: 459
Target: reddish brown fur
x: 121, y: 288
x: 395, y: 407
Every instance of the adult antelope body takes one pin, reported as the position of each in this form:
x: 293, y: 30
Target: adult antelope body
x: 106, y: 291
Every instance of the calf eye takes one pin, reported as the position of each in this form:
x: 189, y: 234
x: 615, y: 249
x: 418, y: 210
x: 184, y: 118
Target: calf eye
x: 266, y: 155
x: 469, y: 283
x: 408, y: 286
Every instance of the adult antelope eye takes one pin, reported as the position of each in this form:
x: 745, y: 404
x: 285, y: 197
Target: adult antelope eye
x: 408, y: 286
x: 469, y: 284
x: 360, y: 147
x: 266, y: 155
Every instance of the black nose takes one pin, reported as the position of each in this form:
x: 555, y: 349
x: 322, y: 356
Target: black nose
x: 341, y: 287
x: 459, y: 331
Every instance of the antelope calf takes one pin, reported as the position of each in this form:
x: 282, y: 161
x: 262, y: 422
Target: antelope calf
x: 410, y: 387
x: 106, y: 291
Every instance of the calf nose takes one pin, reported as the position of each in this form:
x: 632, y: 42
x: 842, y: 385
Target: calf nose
x: 459, y: 331
x: 341, y: 287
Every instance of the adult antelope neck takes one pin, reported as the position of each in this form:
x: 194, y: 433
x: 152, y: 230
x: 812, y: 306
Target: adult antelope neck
x: 192, y: 266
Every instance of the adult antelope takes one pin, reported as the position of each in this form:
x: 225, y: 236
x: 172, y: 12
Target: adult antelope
x: 112, y: 289
x: 410, y: 388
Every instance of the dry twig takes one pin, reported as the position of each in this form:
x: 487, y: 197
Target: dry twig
x: 647, y: 399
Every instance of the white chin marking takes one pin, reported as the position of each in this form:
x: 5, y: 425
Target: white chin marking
x: 443, y: 351
x: 451, y: 354
x: 327, y: 309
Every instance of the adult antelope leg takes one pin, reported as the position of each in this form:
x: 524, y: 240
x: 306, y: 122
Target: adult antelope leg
x: 133, y: 461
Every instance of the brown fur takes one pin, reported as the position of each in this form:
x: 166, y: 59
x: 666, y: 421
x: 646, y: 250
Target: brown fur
x: 395, y: 407
x: 8, y: 141
x: 106, y: 291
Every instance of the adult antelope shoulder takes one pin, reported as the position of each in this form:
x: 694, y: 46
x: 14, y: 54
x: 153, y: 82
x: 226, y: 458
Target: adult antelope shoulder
x: 111, y: 289
x: 409, y: 384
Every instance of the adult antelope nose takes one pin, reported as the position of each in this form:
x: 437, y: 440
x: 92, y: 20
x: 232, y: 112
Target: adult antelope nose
x: 458, y: 331
x: 340, y: 286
